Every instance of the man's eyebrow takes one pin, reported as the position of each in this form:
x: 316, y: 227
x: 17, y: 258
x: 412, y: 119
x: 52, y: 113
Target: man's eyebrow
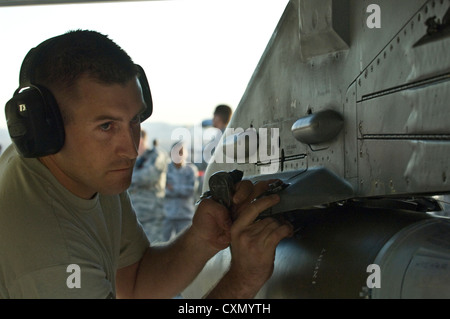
x: 106, y: 117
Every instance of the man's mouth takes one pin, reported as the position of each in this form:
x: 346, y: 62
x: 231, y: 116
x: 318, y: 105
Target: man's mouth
x: 125, y: 169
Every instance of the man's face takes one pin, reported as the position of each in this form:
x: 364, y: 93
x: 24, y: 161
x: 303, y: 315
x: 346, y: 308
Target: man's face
x: 102, y: 138
x: 217, y: 122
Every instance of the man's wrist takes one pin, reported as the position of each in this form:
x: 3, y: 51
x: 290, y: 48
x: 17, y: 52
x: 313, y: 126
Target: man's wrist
x: 202, y: 245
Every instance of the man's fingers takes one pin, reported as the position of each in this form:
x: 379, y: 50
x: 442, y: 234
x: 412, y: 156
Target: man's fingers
x: 263, y: 225
x: 271, y: 231
x: 218, y: 212
x: 243, y: 190
x: 247, y: 191
x: 276, y: 233
x: 252, y: 210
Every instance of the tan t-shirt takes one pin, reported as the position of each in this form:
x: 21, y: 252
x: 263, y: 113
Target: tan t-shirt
x: 54, y: 244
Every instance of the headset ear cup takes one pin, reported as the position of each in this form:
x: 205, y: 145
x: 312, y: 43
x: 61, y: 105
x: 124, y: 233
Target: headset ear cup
x: 146, y: 93
x: 34, y: 122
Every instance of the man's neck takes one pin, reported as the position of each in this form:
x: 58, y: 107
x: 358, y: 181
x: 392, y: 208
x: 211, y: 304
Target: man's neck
x: 65, y: 180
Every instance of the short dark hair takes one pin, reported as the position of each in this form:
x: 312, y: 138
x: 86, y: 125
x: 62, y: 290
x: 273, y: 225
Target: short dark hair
x: 224, y: 112
x: 60, y: 61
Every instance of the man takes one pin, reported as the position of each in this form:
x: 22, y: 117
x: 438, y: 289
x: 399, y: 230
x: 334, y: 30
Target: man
x: 148, y: 186
x: 221, y: 116
x: 181, y: 187
x: 67, y: 227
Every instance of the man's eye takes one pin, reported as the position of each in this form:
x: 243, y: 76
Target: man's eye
x: 105, y: 126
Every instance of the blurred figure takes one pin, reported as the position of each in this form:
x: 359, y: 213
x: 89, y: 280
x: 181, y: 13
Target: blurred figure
x: 181, y: 188
x: 148, y: 186
x: 221, y: 116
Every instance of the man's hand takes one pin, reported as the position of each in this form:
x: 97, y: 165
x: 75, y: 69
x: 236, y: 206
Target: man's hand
x: 165, y: 270
x: 212, y: 223
x: 253, y: 243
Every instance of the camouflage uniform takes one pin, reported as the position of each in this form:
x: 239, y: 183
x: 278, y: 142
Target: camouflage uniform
x: 179, y: 203
x: 147, y: 191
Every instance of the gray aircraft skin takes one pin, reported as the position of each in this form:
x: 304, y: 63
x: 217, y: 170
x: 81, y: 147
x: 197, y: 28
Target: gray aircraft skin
x: 349, y: 107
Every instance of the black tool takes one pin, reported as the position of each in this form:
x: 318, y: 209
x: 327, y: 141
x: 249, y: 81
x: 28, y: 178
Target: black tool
x: 222, y: 186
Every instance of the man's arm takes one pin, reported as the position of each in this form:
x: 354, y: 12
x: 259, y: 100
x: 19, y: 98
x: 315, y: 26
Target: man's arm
x: 166, y: 270
x: 253, y: 245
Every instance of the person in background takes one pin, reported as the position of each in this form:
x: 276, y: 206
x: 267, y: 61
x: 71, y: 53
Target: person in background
x: 148, y: 187
x: 221, y: 116
x: 181, y: 188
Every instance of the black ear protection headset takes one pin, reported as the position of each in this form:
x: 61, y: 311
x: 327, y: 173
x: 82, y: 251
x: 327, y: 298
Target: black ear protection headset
x: 33, y: 117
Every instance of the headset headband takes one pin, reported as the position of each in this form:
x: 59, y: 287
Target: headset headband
x: 33, y: 57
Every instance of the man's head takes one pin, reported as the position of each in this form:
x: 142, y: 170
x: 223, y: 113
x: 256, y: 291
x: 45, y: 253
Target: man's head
x: 58, y: 62
x: 97, y: 89
x: 221, y: 116
x: 35, y: 119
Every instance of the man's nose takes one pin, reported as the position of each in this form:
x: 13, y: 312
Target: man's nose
x: 129, y: 143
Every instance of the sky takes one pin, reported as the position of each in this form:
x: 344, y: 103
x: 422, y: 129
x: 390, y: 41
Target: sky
x: 196, y: 53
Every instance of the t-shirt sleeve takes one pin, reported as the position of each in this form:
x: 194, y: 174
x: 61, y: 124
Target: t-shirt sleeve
x: 134, y: 241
